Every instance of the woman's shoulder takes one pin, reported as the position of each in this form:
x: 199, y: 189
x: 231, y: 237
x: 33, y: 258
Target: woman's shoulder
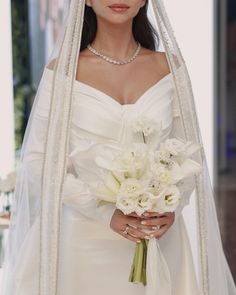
x: 159, y: 58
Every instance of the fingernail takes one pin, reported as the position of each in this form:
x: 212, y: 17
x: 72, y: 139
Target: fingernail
x: 151, y: 236
x: 143, y: 222
x: 138, y: 241
x: 154, y: 227
x: 147, y: 237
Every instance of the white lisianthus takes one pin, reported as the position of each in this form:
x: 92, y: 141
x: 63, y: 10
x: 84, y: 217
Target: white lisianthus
x: 131, y: 188
x: 143, y: 124
x: 125, y: 204
x: 154, y: 186
x: 167, y: 201
x: 163, y: 157
x: 163, y: 175
x: 179, y: 149
x: 143, y: 203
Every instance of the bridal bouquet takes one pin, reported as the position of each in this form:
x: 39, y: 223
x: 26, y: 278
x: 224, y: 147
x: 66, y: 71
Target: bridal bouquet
x: 140, y: 179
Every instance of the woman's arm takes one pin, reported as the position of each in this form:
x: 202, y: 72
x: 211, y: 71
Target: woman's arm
x: 178, y: 131
x: 75, y: 193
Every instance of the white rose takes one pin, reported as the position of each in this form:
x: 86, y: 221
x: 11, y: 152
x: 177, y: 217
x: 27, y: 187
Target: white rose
x: 163, y: 175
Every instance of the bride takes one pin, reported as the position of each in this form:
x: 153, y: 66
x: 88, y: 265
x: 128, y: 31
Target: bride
x: 105, y: 73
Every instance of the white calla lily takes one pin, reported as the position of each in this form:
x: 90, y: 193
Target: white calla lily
x: 190, y: 167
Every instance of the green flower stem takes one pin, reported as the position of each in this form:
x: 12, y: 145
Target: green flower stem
x: 138, y: 268
x: 144, y: 140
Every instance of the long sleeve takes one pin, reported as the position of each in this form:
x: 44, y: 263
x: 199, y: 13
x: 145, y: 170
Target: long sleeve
x: 189, y: 184
x: 75, y: 192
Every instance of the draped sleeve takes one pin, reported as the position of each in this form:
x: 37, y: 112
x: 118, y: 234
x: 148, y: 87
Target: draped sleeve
x: 75, y: 193
x: 177, y: 131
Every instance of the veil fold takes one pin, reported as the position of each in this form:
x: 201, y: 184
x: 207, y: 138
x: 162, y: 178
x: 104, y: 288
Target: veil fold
x: 46, y: 178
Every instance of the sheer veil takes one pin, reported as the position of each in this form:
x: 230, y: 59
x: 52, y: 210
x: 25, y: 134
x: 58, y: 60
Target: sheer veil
x: 42, y: 179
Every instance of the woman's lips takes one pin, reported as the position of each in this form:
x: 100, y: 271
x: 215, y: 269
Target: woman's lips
x: 119, y: 7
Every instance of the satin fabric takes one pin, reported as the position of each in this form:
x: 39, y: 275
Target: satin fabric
x: 93, y: 258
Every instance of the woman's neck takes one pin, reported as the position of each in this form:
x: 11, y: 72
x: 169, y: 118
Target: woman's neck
x: 115, y: 40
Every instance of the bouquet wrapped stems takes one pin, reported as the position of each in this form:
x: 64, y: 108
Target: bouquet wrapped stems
x: 138, y: 268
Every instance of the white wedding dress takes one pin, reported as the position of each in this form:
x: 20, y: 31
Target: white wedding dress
x: 95, y: 260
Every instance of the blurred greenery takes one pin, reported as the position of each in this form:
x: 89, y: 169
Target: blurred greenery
x: 23, y: 92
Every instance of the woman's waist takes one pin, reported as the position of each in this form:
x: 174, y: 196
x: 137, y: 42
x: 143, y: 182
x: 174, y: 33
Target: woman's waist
x: 85, y: 228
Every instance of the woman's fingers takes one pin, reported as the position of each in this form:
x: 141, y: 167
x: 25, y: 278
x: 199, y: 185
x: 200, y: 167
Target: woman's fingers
x: 129, y: 237
x: 137, y: 233
x: 134, y: 234
x: 157, y: 234
x: 147, y: 214
x: 155, y: 221
x: 168, y: 221
x: 136, y: 222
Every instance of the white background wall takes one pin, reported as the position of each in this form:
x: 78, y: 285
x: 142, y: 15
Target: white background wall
x: 7, y: 154
x: 193, y: 25
x: 6, y: 92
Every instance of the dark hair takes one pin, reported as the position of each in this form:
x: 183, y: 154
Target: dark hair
x: 143, y: 31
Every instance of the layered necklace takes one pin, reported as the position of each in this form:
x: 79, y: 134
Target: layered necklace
x: 113, y: 61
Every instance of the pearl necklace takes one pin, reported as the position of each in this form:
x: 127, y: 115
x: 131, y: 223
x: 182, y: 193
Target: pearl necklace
x: 109, y: 59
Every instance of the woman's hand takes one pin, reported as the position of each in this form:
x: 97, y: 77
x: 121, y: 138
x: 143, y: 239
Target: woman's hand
x: 158, y: 223
x: 119, y: 221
